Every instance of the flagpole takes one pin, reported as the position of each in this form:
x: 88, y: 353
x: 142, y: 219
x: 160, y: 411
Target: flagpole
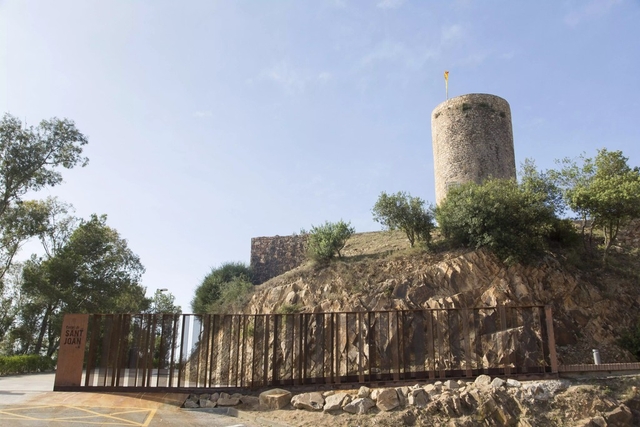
x: 446, y: 83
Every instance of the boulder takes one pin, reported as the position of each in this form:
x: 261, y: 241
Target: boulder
x: 403, y: 395
x: 228, y: 401
x: 276, y: 398
x: 309, y: 401
x: 334, y: 402
x: 513, y: 383
x: 418, y: 398
x: 388, y: 399
x: 249, y: 401
x: 207, y: 403
x: 359, y: 406
x: 497, y: 383
x: 619, y: 417
x: 431, y: 389
x: 451, y: 385
x: 190, y: 404
x: 364, y: 392
x: 482, y: 381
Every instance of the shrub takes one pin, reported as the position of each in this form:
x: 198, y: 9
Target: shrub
x: 25, y: 364
x: 406, y: 213
x: 327, y: 240
x: 630, y: 340
x: 511, y: 221
x: 221, y: 285
x: 235, y: 294
x: 289, y: 309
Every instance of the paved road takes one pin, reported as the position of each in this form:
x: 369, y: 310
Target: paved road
x: 27, y: 401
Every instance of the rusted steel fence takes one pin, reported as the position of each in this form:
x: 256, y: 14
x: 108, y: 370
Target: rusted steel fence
x: 188, y: 351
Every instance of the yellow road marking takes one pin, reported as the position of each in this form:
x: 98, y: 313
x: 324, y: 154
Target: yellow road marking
x: 111, y: 418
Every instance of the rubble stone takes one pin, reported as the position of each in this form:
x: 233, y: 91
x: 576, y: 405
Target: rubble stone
x: 364, y: 392
x: 310, y: 401
x: 388, y: 399
x: 359, y: 406
x: 334, y: 402
x: 418, y: 398
x: 276, y: 398
x: 482, y: 381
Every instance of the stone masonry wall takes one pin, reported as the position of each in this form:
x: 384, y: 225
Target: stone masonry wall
x: 472, y: 141
x: 273, y: 256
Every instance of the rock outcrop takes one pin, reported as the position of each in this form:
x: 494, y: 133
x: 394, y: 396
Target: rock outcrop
x: 584, y: 313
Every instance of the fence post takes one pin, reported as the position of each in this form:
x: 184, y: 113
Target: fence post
x: 552, y: 340
x: 505, y: 338
x: 467, y: 342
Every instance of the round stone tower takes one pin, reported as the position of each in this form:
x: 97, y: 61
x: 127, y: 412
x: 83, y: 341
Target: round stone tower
x: 472, y: 141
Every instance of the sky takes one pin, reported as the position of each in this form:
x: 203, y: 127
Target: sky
x: 212, y: 122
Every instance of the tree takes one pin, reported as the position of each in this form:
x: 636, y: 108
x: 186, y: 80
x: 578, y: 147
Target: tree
x: 545, y: 184
x: 212, y: 289
x: 93, y: 271
x: 406, y: 213
x: 164, y: 302
x: 512, y: 221
x: 604, y: 191
x: 30, y: 159
x: 327, y: 240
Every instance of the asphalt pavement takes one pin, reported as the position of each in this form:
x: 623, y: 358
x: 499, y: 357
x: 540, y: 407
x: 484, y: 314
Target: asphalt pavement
x: 28, y: 401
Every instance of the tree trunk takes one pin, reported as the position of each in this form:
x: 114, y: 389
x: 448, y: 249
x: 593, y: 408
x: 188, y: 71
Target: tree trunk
x: 43, y: 329
x: 610, y: 234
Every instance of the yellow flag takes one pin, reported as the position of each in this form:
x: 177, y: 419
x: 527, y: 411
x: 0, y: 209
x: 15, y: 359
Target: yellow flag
x: 446, y: 84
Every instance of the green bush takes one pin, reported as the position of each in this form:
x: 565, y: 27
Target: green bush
x: 510, y: 220
x: 630, y: 340
x: 400, y: 211
x: 25, y: 364
x: 217, y: 284
x: 235, y: 294
x: 327, y: 240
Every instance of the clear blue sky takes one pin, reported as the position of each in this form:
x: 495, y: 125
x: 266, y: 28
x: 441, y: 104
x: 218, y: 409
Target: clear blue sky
x: 212, y: 122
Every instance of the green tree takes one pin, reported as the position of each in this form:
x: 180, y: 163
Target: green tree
x: 30, y: 160
x: 93, y: 271
x: 214, y: 286
x: 327, y: 240
x: 604, y: 191
x: 512, y: 221
x: 406, y: 213
x: 164, y: 302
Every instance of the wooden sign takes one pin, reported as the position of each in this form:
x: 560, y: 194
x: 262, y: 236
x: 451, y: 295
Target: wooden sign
x: 71, y: 354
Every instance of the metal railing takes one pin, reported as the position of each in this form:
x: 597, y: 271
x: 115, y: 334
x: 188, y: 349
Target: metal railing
x: 187, y: 351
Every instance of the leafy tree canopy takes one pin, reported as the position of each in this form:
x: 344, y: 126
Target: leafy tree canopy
x: 221, y: 284
x: 513, y: 221
x: 604, y: 191
x: 164, y: 302
x: 406, y: 213
x: 91, y: 271
x: 30, y: 159
x: 327, y: 240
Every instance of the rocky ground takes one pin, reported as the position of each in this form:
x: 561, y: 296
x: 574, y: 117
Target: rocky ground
x: 593, y: 402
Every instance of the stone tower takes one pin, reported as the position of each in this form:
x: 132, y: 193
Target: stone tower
x: 472, y: 141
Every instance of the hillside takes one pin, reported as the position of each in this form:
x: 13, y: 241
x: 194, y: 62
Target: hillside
x: 379, y: 271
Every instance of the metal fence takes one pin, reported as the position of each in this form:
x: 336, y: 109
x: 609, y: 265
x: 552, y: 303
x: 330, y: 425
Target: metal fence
x: 187, y: 351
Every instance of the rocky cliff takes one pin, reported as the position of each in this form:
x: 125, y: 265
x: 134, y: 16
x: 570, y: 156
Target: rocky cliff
x: 591, y: 305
